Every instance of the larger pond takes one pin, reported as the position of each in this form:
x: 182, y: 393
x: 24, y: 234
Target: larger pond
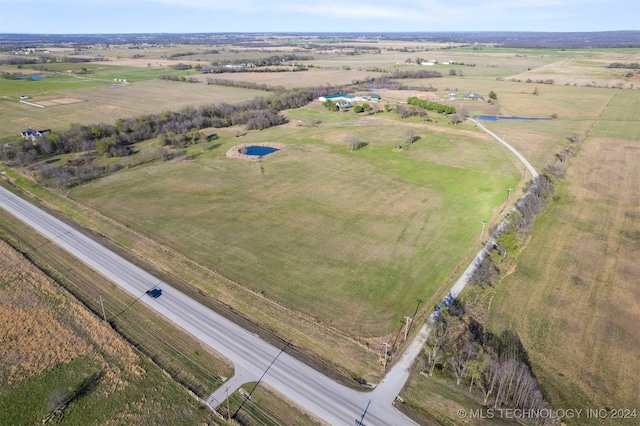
x: 506, y: 117
x: 257, y: 151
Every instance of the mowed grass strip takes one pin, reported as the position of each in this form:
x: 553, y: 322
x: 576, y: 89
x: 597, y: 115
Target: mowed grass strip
x: 317, y: 228
x: 574, y: 299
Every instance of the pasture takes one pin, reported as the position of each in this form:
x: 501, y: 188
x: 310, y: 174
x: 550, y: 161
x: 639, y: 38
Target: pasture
x: 573, y: 298
x: 318, y: 228
x: 332, y: 75
x: 107, y: 103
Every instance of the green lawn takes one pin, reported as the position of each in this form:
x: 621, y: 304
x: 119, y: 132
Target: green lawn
x: 316, y: 227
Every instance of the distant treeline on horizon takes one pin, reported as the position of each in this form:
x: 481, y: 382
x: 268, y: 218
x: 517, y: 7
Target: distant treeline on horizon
x: 567, y: 40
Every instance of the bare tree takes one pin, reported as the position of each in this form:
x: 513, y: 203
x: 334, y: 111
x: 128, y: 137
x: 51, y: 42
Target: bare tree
x: 353, y: 142
x: 459, y: 364
x: 410, y: 136
x: 576, y: 138
x: 484, y: 273
x: 475, y: 367
x: 489, y: 378
x: 437, y: 338
x: 456, y: 119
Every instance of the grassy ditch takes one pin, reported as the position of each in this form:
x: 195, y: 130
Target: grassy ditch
x: 263, y: 407
x: 62, y: 364
x: 183, y: 357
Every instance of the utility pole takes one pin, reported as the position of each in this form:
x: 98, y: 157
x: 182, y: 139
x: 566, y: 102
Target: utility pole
x: 509, y: 194
x: 482, y: 231
x: 228, y: 409
x: 386, y: 349
x: 104, y: 315
x: 406, y: 327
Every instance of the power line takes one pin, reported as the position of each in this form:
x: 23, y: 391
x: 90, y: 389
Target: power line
x: 263, y: 374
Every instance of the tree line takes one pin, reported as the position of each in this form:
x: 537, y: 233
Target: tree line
x: 631, y: 65
x: 495, y: 367
x: 432, y: 106
x: 49, y: 58
x: 181, y: 78
x: 191, y: 53
x: 263, y: 62
x: 245, y: 84
x: 227, y: 69
x: 399, y: 75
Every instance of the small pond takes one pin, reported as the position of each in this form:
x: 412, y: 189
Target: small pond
x: 257, y: 151
x: 30, y: 77
x: 505, y: 117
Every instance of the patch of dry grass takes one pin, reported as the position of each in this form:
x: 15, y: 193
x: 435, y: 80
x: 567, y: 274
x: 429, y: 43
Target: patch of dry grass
x: 31, y: 333
x: 50, y: 346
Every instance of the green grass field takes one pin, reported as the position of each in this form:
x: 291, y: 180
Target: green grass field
x: 57, y: 77
x: 316, y: 227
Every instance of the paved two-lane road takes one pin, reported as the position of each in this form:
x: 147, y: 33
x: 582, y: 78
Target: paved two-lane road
x: 250, y: 355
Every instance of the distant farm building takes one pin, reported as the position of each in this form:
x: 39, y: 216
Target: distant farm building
x: 337, y: 98
x: 473, y: 96
x: 452, y: 96
x: 349, y: 98
x: 32, y: 135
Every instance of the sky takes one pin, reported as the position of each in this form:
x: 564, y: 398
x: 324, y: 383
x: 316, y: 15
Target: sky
x: 211, y: 16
